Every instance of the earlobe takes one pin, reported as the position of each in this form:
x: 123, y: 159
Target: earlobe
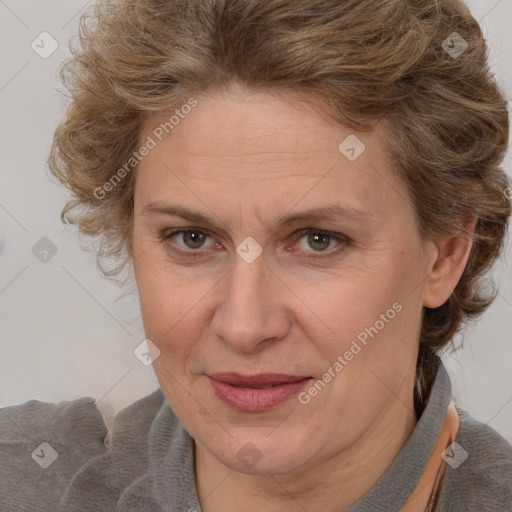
x: 450, y: 259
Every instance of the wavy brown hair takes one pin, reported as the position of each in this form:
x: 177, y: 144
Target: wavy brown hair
x: 366, y: 59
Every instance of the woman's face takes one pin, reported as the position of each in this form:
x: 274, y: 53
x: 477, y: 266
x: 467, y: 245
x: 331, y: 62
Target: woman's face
x: 248, y: 290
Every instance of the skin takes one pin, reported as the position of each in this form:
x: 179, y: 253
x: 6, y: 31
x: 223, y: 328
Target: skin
x: 246, y: 158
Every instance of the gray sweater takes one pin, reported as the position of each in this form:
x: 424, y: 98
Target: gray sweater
x: 53, y: 458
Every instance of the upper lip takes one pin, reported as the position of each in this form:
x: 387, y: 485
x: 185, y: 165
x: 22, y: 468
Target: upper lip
x: 262, y: 379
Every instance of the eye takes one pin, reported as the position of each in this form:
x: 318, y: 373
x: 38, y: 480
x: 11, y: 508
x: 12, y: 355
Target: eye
x: 191, y: 239
x: 191, y: 242
x: 320, y: 241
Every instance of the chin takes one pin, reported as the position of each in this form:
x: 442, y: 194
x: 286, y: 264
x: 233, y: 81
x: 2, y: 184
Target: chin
x: 259, y: 455
x: 269, y: 464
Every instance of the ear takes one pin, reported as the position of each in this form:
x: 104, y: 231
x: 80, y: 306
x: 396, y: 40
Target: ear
x: 450, y: 256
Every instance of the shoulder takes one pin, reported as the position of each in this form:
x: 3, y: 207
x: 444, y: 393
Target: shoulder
x: 480, y: 478
x: 35, y: 418
x: 107, y: 481
x: 43, y: 446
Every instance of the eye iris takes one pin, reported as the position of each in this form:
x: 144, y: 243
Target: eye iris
x: 196, y: 239
x: 314, y: 239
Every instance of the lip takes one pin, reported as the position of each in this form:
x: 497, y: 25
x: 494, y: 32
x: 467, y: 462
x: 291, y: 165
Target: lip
x: 238, y: 391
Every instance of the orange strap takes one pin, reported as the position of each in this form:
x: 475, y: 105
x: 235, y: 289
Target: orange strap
x: 419, y: 499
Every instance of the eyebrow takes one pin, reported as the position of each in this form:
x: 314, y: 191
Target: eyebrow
x: 317, y: 214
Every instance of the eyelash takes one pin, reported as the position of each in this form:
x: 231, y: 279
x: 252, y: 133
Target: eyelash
x: 192, y: 253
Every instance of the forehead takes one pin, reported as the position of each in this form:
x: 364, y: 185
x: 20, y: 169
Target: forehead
x: 282, y: 145
x: 261, y: 126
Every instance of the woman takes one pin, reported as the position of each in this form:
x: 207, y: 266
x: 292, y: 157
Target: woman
x: 308, y: 195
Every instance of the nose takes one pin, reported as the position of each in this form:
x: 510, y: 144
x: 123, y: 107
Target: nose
x: 253, y: 307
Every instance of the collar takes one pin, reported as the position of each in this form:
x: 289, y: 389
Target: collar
x: 173, y: 468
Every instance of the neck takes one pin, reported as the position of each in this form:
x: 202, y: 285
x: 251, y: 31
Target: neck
x: 331, y: 485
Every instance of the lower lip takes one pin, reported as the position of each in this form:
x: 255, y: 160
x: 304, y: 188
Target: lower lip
x: 253, y: 400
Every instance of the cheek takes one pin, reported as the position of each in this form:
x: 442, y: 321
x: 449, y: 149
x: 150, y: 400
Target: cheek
x: 368, y: 318
x: 174, y: 311
x: 164, y: 307
x: 353, y: 302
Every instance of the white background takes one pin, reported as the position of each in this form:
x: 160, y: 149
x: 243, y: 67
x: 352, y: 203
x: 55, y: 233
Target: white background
x: 62, y: 334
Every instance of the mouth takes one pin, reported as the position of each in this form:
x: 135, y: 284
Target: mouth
x: 259, y: 381
x: 253, y: 393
